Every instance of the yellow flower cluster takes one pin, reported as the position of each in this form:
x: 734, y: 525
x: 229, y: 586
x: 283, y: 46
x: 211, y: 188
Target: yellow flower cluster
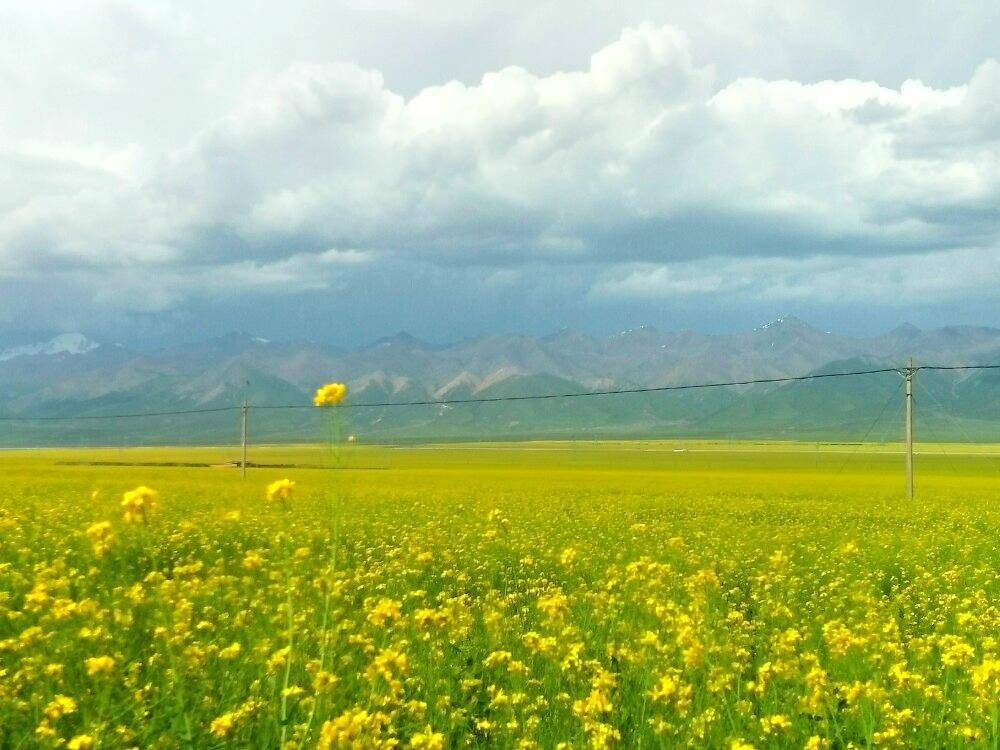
x: 282, y: 489
x: 139, y: 504
x: 330, y: 394
x: 464, y: 606
x: 100, y: 535
x: 99, y: 665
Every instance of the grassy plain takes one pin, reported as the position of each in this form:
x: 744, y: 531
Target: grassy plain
x: 632, y: 594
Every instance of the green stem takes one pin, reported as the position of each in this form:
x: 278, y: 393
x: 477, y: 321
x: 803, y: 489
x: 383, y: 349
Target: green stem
x: 179, y: 691
x: 324, y: 629
x: 290, y: 621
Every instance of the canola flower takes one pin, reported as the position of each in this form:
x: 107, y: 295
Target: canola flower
x: 99, y: 665
x: 428, y: 739
x: 507, y: 610
x: 330, y: 394
x: 281, y: 489
x: 139, y: 504
x: 59, y: 706
x: 100, y: 535
x: 222, y: 725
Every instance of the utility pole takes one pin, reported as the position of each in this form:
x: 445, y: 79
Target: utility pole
x: 908, y: 375
x: 243, y: 462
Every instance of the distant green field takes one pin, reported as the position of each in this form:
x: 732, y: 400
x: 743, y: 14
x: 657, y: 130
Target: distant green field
x: 709, y: 465
x: 530, y: 595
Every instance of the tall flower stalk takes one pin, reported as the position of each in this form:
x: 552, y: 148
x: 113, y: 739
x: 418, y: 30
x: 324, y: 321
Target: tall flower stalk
x: 328, y: 397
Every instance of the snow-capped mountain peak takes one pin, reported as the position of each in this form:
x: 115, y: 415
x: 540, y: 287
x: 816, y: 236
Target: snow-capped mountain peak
x: 64, y: 343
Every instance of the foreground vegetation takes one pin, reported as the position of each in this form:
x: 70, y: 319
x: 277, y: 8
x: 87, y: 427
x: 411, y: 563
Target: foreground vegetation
x: 633, y: 595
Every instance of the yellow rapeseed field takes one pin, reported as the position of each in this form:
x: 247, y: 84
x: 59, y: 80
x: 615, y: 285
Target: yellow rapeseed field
x: 545, y: 596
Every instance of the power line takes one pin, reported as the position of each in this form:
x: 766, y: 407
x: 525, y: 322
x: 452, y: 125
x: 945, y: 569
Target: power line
x: 961, y: 428
x: 133, y: 415
x: 957, y: 367
x: 864, y: 438
x: 500, y: 399
x: 584, y: 394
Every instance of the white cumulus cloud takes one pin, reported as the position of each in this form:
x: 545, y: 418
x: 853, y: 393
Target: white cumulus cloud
x: 648, y: 162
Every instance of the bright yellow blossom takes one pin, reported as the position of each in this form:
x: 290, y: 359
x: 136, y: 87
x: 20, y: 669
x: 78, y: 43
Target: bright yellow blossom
x: 99, y: 665
x: 100, y: 536
x: 139, y: 504
x: 222, y: 725
x: 282, y: 489
x: 60, y: 706
x: 330, y: 394
x: 428, y: 740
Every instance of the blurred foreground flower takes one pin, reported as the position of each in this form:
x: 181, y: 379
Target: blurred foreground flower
x: 99, y: 665
x: 330, y: 394
x: 100, y: 534
x: 428, y: 740
x: 222, y: 725
x: 280, y: 490
x: 139, y: 504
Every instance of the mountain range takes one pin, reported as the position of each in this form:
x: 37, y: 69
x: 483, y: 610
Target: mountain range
x: 72, y: 376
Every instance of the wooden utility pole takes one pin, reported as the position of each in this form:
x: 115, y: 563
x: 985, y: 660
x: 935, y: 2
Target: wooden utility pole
x: 908, y: 374
x: 243, y: 462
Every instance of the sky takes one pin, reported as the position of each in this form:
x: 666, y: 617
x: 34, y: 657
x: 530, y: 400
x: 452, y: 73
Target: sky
x: 341, y: 171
